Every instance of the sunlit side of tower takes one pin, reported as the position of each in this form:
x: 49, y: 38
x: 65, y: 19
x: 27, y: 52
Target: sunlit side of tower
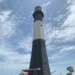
x: 39, y: 55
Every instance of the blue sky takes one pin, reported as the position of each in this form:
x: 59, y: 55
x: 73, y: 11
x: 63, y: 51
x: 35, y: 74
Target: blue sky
x: 16, y: 34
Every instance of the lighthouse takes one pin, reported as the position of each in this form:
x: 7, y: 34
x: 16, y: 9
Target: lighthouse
x: 39, y: 59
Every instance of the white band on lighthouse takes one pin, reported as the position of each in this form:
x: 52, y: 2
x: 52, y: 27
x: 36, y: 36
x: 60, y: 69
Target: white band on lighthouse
x: 38, y: 32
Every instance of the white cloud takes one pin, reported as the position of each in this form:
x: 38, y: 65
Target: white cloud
x: 10, y: 56
x: 4, y: 15
x: 68, y: 27
x: 63, y: 51
x: 46, y: 4
x: 13, y: 61
x: 66, y: 62
x: 49, y: 32
x: 4, y: 50
x: 67, y: 48
x: 7, y: 29
x: 1, y: 0
x: 26, y: 43
x: 17, y: 58
x: 70, y: 19
x: 68, y: 1
x: 8, y: 53
x: 66, y: 34
x: 66, y: 31
x: 58, y: 55
x: 7, y: 24
x: 59, y: 17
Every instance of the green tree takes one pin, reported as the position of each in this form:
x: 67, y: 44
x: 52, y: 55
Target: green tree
x: 69, y: 74
x: 70, y: 69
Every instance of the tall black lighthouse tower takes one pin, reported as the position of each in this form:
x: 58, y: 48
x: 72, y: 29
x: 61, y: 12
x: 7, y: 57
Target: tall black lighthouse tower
x: 39, y: 55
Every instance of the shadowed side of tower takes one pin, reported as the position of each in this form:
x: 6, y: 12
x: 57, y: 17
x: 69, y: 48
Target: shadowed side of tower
x: 39, y: 55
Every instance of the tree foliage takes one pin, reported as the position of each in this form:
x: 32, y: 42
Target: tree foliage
x: 69, y: 74
x: 70, y: 69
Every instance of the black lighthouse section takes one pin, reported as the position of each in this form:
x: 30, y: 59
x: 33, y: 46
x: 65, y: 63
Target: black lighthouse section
x: 39, y: 57
x: 38, y: 14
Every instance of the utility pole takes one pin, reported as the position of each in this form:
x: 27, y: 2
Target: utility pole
x: 2, y: 68
x: 53, y: 72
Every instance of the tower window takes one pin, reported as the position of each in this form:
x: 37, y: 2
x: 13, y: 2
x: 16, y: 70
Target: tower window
x: 45, y: 64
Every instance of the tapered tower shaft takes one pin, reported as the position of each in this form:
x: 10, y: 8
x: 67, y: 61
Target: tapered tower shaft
x: 39, y: 55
